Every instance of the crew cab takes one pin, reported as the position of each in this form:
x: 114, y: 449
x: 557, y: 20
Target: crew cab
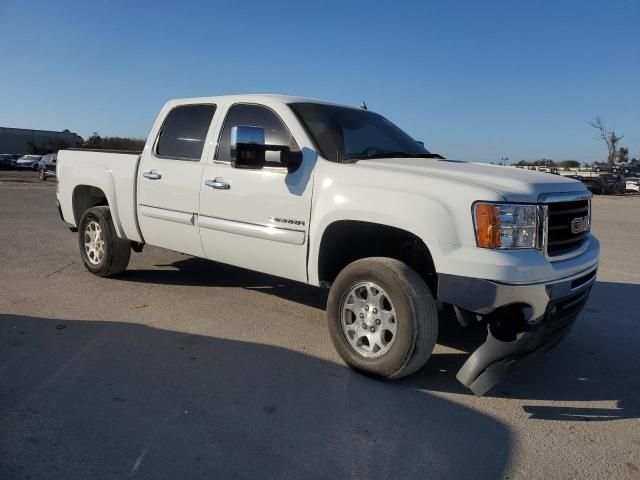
x: 339, y: 197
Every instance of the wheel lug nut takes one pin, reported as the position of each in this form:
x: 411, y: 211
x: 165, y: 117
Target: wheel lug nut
x: 364, y: 325
x: 375, y: 310
x: 373, y: 329
x: 377, y: 321
x: 366, y: 307
x: 361, y: 315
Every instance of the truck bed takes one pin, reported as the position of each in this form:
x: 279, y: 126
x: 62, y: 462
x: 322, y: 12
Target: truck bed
x: 113, y: 172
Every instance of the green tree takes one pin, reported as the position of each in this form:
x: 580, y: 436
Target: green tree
x: 567, y: 164
x: 623, y: 155
x: 95, y: 141
x: 544, y: 162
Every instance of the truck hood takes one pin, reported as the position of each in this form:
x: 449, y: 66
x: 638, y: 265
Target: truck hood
x: 515, y: 184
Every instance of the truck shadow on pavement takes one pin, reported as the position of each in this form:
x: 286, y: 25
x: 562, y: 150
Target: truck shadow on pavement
x: 101, y: 399
x: 206, y: 273
x: 598, y: 361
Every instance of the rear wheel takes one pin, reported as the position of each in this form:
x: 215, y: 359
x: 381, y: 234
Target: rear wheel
x: 102, y: 251
x: 382, y: 317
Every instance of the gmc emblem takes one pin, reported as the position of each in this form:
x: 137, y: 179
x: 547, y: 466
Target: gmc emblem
x: 580, y: 224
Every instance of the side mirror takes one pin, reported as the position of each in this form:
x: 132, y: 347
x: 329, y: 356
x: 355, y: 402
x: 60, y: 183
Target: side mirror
x: 248, y: 150
x: 247, y: 147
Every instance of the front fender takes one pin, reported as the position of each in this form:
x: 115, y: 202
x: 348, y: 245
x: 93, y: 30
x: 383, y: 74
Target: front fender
x: 435, y: 209
x: 427, y: 218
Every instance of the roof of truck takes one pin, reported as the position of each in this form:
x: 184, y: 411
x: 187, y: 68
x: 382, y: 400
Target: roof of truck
x: 257, y: 97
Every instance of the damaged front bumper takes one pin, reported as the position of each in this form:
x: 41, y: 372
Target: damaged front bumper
x: 521, y: 319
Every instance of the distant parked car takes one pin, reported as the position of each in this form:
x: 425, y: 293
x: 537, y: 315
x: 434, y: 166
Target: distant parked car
x: 613, y: 183
x: 29, y: 161
x: 633, y: 170
x: 47, y: 166
x: 8, y: 160
x: 632, y: 184
x: 594, y: 184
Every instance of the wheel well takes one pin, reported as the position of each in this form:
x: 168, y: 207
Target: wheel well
x: 348, y: 240
x: 85, y: 197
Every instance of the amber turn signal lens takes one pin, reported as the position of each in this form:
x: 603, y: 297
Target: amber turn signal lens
x: 487, y: 225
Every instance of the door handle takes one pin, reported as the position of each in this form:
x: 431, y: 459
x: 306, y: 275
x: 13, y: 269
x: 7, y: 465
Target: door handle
x: 151, y: 175
x: 217, y: 183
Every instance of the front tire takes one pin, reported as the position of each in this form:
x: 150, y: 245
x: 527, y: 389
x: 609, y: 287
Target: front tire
x: 104, y: 253
x: 382, y: 317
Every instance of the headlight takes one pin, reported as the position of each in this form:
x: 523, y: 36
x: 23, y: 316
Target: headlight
x: 506, y: 226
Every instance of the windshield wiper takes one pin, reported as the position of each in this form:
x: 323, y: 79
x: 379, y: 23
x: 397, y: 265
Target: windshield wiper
x: 389, y: 155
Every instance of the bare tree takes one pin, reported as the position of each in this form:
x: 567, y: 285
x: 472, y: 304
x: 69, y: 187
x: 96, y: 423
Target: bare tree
x: 609, y: 137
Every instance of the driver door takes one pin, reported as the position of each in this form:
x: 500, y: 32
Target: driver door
x: 256, y: 218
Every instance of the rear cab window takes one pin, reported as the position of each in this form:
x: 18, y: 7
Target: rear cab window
x: 184, y: 132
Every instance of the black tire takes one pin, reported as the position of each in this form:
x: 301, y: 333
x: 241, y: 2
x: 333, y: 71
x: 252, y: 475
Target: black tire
x: 117, y: 251
x: 416, y: 317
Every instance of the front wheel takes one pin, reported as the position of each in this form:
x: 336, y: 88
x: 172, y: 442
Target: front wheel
x: 104, y: 253
x: 382, y: 317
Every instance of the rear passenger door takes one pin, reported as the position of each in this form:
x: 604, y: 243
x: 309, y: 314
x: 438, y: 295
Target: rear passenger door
x: 169, y: 179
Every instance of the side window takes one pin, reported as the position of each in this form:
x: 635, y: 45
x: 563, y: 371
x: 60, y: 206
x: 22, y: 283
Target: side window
x: 184, y: 132
x: 275, y: 131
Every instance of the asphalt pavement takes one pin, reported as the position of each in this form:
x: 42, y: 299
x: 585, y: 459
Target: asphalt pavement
x: 185, y: 368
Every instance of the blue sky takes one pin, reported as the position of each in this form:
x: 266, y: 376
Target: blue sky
x: 474, y: 80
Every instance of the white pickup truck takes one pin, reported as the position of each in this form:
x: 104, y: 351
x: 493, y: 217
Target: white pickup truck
x: 341, y: 198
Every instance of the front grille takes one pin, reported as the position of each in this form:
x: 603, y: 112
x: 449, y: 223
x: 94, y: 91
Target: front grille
x: 560, y: 239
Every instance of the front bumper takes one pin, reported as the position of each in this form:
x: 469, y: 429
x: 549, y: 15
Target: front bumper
x: 521, y: 319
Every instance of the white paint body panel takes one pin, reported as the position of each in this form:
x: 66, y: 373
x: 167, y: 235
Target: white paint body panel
x: 428, y: 197
x: 113, y: 173
x: 176, y: 193
x: 255, y: 199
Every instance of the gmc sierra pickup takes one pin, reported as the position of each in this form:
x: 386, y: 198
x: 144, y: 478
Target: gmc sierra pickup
x: 341, y: 198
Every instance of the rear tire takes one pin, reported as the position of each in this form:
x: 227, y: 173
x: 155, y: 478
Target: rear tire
x: 387, y: 288
x: 104, y: 253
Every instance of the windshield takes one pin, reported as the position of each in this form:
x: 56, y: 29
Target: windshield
x: 344, y: 134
